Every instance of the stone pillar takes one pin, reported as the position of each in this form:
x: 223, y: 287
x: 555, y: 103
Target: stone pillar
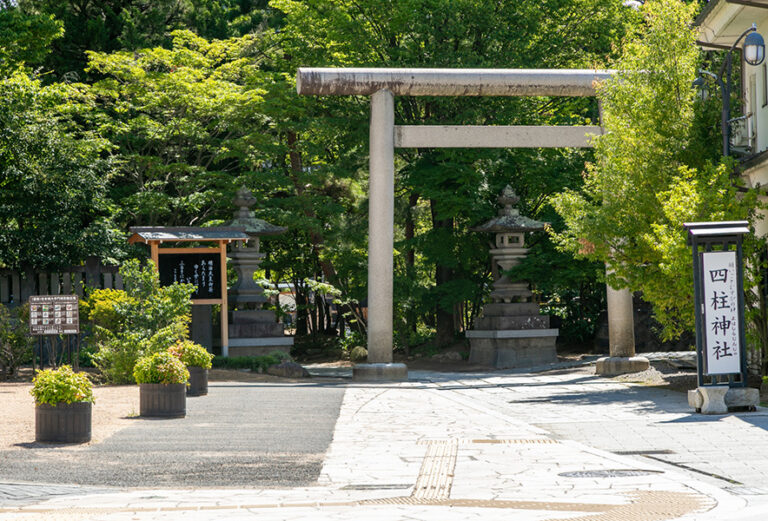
x: 381, y: 208
x: 380, y: 226
x: 621, y: 335
x: 621, y: 325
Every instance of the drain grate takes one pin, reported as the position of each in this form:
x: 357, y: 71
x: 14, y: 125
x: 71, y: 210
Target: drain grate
x: 376, y: 486
x: 517, y: 441
x: 609, y: 473
x: 642, y: 452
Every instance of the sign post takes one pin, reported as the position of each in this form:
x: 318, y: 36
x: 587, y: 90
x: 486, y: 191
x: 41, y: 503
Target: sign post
x: 718, y: 282
x: 54, y: 315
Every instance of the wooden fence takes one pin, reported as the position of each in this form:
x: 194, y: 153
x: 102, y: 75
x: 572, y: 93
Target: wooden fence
x: 17, y: 286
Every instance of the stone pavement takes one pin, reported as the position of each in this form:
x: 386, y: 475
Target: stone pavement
x: 501, y: 445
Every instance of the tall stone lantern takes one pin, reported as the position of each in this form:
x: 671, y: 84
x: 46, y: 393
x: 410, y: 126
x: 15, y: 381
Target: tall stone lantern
x: 511, y: 332
x: 253, y: 331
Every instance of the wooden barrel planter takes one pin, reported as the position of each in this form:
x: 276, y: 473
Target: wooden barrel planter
x: 198, y: 381
x: 163, y: 400
x: 63, y: 422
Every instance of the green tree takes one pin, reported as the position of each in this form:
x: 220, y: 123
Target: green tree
x: 53, y: 178
x: 441, y: 193
x: 180, y: 119
x: 105, y: 25
x: 25, y: 38
x: 652, y: 171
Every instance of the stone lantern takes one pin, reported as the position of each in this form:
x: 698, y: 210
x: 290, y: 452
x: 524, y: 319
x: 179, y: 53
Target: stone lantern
x: 253, y: 331
x: 511, y: 332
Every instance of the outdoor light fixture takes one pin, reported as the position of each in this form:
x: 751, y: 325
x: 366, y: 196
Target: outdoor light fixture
x: 754, y: 47
x: 754, y: 54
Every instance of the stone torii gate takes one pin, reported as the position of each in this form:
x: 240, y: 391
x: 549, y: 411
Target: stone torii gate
x: 382, y: 85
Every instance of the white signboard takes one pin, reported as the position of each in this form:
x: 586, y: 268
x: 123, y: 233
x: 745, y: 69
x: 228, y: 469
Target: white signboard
x: 721, y: 312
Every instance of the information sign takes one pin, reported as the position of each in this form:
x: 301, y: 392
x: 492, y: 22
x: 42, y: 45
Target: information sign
x: 721, y: 312
x: 202, y: 270
x: 54, y: 315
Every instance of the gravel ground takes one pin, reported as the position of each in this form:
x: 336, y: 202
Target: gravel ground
x: 255, y: 431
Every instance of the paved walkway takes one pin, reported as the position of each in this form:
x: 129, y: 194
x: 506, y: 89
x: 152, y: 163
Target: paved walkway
x: 552, y: 446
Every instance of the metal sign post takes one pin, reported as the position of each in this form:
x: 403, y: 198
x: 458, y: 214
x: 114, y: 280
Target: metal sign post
x: 51, y: 316
x: 718, y: 282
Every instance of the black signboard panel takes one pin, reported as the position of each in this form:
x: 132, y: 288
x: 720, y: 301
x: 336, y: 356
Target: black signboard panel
x: 202, y: 270
x: 53, y: 315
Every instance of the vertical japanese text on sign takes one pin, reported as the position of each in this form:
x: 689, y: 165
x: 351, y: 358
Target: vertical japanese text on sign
x: 721, y: 312
x: 202, y: 270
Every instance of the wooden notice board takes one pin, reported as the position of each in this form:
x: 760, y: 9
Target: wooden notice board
x: 203, y: 267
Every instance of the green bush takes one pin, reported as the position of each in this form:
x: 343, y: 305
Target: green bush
x: 358, y: 354
x: 191, y: 354
x: 15, y: 342
x: 61, y: 385
x: 104, y: 308
x: 144, y: 318
x: 258, y: 364
x: 160, y: 368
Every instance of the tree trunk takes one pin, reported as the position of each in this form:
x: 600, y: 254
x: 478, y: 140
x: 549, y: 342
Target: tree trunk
x: 444, y: 320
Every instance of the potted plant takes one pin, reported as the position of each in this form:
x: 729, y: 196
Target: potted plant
x: 162, y: 380
x: 63, y: 401
x: 198, y: 361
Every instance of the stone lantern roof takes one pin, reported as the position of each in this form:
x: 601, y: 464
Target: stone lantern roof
x: 509, y: 218
x: 244, y: 217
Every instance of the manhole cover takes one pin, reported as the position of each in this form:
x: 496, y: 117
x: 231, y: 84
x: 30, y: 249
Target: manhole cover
x: 615, y: 473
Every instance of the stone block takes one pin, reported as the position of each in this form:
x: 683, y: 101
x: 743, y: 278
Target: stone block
x: 380, y: 372
x: 616, y: 365
x: 507, y: 353
x: 508, y: 357
x: 255, y: 330
x: 288, y: 370
x: 695, y: 399
x: 250, y: 316
x: 713, y: 399
x: 482, y: 352
x: 513, y: 322
x: 496, y: 309
x: 742, y: 397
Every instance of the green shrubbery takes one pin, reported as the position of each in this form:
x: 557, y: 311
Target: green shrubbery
x: 61, y: 385
x: 191, y: 354
x: 160, y: 368
x: 15, y: 342
x: 257, y: 364
x: 144, y: 318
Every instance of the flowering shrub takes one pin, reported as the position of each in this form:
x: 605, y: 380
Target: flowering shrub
x: 61, y: 385
x: 191, y: 354
x: 160, y: 368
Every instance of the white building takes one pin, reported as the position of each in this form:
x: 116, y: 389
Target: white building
x: 720, y: 23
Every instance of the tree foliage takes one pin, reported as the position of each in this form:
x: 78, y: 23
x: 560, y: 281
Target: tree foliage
x: 53, y: 177
x: 652, y: 172
x: 182, y: 119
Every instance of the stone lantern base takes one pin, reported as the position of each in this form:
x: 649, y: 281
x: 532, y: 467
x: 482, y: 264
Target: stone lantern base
x: 506, y: 349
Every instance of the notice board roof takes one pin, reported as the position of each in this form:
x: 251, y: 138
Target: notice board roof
x: 186, y: 233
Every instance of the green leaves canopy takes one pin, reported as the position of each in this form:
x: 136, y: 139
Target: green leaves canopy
x: 650, y: 173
